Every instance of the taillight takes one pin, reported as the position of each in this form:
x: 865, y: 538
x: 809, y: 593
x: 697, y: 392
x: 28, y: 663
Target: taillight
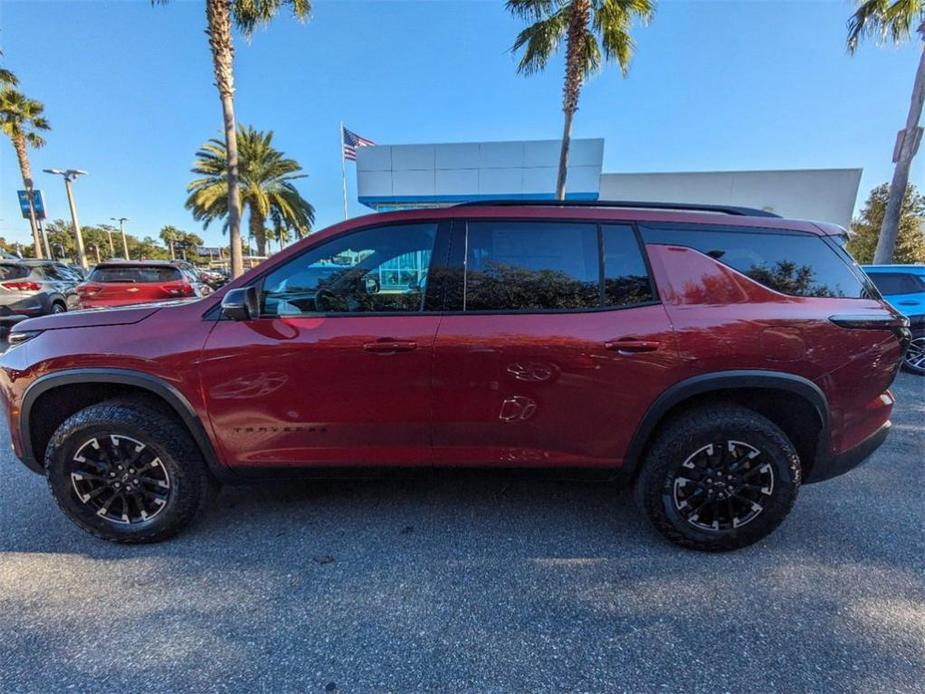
x: 896, y: 323
x: 179, y: 289
x: 21, y: 286
x: 88, y: 289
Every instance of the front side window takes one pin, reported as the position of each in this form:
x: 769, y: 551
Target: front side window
x: 788, y: 262
x: 524, y: 266
x: 381, y: 269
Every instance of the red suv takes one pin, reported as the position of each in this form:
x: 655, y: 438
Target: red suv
x: 715, y: 358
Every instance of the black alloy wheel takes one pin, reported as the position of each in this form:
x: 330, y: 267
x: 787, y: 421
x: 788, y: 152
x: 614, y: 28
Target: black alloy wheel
x: 719, y: 477
x: 127, y: 470
x: 121, y: 479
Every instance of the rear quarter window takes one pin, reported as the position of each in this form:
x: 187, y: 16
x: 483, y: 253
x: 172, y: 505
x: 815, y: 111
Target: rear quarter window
x: 788, y: 262
x: 137, y: 274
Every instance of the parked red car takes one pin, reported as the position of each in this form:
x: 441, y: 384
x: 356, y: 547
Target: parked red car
x: 122, y: 282
x: 715, y: 358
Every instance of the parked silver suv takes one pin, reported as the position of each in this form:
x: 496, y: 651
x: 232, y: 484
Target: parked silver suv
x: 31, y: 288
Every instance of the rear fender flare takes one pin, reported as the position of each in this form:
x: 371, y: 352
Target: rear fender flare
x: 717, y: 381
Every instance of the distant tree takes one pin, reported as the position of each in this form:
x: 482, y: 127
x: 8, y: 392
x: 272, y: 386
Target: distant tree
x: 580, y: 23
x: 7, y: 78
x: 894, y: 21
x: 21, y: 120
x: 170, y: 235
x: 866, y: 227
x: 246, y: 15
x: 267, y: 189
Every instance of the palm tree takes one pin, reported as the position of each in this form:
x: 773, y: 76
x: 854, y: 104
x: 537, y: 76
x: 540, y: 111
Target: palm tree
x: 894, y: 21
x: 21, y: 120
x: 580, y: 23
x: 267, y: 191
x: 170, y: 235
x: 246, y: 15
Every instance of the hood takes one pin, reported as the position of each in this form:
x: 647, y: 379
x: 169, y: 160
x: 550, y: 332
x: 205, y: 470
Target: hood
x: 91, y: 318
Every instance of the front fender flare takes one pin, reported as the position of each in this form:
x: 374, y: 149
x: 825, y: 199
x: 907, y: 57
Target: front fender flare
x: 152, y: 384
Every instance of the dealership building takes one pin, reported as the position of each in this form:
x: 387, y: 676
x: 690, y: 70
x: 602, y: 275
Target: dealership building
x: 426, y: 175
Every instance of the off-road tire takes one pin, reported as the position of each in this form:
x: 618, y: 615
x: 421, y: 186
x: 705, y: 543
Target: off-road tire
x: 689, y: 432
x: 191, y: 489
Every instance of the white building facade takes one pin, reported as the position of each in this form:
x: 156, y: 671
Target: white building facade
x: 427, y: 175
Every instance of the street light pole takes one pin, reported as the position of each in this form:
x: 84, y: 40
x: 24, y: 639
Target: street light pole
x: 45, y: 238
x: 122, y: 221
x: 70, y: 175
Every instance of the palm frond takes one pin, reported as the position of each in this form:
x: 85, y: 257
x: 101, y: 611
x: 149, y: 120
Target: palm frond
x: 613, y: 20
x: 250, y: 14
x: 889, y: 22
x: 531, y: 9
x: 540, y: 41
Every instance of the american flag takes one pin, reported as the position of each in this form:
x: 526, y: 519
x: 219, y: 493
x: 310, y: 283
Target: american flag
x: 351, y: 142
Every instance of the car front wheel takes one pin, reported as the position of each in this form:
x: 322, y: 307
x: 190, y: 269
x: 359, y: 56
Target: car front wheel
x: 126, y: 471
x: 718, y: 478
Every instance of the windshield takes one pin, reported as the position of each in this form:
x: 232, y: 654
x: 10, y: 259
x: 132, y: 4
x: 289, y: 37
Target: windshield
x: 13, y: 272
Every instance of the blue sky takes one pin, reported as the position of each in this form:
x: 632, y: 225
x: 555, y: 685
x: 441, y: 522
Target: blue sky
x: 128, y: 89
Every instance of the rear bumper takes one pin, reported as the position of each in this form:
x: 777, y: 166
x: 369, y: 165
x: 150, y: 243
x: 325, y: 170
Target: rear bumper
x: 825, y: 468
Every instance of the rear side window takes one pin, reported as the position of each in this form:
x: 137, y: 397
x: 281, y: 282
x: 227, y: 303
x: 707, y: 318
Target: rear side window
x: 898, y: 282
x: 13, y: 272
x: 626, y: 279
x: 790, y: 263
x: 138, y: 273
x: 552, y: 266
x: 522, y: 266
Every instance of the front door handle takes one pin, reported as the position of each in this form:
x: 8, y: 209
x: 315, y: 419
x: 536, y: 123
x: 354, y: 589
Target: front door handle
x: 387, y: 345
x: 628, y: 345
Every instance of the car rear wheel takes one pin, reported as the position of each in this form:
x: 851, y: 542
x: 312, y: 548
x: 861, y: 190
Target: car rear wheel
x: 718, y: 478
x: 58, y: 307
x: 127, y: 472
x: 914, y: 360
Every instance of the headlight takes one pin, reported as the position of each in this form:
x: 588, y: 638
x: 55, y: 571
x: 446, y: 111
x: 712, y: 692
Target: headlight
x: 18, y: 338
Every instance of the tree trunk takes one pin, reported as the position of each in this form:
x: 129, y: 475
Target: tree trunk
x: 563, y: 155
x: 258, y: 231
x: 889, y: 231
x: 19, y: 144
x: 172, y: 254
x: 218, y: 14
x: 575, y: 65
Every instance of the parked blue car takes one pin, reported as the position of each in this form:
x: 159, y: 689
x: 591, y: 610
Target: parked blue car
x: 903, y: 286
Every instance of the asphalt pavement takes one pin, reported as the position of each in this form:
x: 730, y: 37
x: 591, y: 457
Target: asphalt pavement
x: 473, y: 581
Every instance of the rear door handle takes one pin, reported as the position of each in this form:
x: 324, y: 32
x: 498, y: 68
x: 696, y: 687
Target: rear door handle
x: 631, y: 346
x: 389, y: 346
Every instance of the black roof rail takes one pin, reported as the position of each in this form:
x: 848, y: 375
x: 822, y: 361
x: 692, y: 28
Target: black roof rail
x: 680, y: 206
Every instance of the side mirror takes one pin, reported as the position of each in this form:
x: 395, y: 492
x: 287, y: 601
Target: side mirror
x: 241, y: 304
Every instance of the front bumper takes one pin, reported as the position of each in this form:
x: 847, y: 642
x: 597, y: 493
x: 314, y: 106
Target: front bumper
x: 825, y: 468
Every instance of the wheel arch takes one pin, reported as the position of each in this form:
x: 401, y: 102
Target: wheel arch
x: 110, y: 383
x: 738, y: 386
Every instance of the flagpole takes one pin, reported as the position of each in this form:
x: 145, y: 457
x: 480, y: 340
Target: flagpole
x: 343, y: 167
